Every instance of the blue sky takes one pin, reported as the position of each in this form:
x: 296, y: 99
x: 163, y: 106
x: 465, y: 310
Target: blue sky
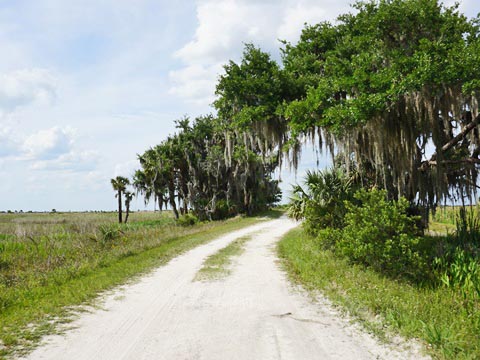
x: 85, y: 85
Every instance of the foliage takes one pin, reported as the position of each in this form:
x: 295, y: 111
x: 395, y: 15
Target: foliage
x: 434, y: 315
x: 380, y: 234
x: 108, y: 233
x: 386, y: 81
x: 322, y: 202
x: 467, y: 229
x: 187, y: 220
x: 209, y: 170
x: 462, y: 273
x: 378, y: 86
x: 458, y: 266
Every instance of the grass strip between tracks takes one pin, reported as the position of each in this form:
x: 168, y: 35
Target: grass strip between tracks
x: 218, y: 266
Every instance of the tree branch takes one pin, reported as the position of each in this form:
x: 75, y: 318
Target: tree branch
x: 461, y: 135
x: 466, y: 160
x: 433, y: 159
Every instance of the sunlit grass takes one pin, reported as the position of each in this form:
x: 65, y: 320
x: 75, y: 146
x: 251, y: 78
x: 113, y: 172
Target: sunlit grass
x: 435, y: 315
x: 51, y: 262
x: 448, y: 214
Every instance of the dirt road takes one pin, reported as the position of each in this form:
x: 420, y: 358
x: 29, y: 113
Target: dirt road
x: 252, y: 314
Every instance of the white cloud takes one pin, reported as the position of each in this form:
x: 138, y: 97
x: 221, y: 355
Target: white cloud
x: 55, y: 149
x: 194, y: 82
x: 49, y: 144
x: 294, y: 18
x: 23, y: 87
x: 10, y: 145
x: 72, y: 161
x: 223, y: 28
x: 126, y: 169
x: 49, y: 149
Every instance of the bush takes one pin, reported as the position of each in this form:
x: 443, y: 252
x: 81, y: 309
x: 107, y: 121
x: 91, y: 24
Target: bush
x: 329, y: 237
x: 109, y: 233
x: 458, y: 267
x: 467, y: 229
x: 380, y: 234
x: 187, y: 220
x: 222, y: 210
x: 321, y: 203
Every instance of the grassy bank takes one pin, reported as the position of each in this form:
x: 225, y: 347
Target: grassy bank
x: 51, y: 262
x: 435, y: 315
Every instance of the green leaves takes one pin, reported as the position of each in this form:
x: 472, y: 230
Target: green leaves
x: 322, y: 202
x: 380, y: 234
x: 254, y: 83
x: 120, y: 183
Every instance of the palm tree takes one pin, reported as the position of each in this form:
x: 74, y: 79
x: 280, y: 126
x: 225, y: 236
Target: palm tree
x: 208, y: 168
x: 322, y: 201
x: 119, y: 184
x: 128, y: 199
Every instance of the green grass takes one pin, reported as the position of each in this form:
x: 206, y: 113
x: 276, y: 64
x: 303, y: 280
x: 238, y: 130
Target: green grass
x: 440, y: 228
x: 217, y: 266
x: 50, y: 263
x: 448, y: 214
x: 437, y: 316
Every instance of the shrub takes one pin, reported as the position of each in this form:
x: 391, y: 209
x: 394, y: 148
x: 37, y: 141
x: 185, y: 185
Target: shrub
x: 329, y: 237
x: 322, y: 203
x: 458, y: 267
x: 222, y: 210
x: 380, y: 234
x: 467, y: 229
x: 187, y: 220
x: 109, y: 233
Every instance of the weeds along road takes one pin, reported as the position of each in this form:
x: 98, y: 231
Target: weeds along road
x: 251, y: 314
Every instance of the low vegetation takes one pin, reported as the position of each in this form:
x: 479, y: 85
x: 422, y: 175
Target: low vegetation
x: 217, y: 266
x: 51, y: 262
x: 443, y: 320
x: 377, y: 260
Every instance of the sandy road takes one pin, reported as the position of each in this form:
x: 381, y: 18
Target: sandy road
x: 252, y: 314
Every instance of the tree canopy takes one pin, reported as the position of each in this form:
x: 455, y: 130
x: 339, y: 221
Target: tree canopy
x: 388, y: 85
x: 208, y: 170
x: 390, y: 90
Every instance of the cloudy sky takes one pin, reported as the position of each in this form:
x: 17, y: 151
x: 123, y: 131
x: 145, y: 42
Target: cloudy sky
x: 85, y: 85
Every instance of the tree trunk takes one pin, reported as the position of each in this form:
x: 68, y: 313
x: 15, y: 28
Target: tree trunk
x: 171, y: 191
x: 246, y: 202
x: 127, y: 212
x: 119, y: 195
